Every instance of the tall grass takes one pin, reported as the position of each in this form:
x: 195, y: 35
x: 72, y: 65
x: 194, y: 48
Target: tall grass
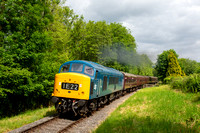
x: 10, y: 123
x: 155, y: 110
x: 188, y: 83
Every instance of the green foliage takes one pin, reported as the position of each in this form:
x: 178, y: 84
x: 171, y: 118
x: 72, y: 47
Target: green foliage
x: 168, y: 79
x: 61, y: 29
x: 19, y: 77
x: 173, y: 68
x: 177, y: 82
x: 162, y: 64
x: 187, y: 84
x: 23, y: 46
x: 121, y: 35
x: 155, y: 109
x: 189, y: 66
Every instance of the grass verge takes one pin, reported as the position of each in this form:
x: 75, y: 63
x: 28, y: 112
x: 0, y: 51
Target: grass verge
x: 156, y: 109
x: 11, y: 123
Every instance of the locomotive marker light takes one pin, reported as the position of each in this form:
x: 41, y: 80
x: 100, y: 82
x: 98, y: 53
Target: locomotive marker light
x: 95, y: 86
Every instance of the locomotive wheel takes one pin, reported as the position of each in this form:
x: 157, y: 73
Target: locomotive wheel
x: 83, y: 111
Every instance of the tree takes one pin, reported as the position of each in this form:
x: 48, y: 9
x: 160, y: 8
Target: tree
x: 162, y: 64
x: 121, y: 34
x: 189, y: 66
x: 173, y: 68
x: 97, y: 35
x: 23, y: 45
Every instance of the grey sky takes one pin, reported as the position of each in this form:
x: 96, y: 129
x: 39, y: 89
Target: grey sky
x: 157, y: 25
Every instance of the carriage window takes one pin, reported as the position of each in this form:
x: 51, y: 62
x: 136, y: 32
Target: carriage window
x: 77, y: 67
x: 89, y: 70
x: 65, y: 68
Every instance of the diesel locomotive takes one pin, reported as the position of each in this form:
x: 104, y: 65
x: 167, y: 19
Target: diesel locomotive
x: 83, y: 86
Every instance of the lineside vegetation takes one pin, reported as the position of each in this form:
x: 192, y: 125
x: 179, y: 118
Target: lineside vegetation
x: 187, y: 83
x: 156, y: 109
x: 10, y: 123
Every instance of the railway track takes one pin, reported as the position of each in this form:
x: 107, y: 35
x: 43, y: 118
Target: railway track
x: 54, y: 125
x: 57, y: 124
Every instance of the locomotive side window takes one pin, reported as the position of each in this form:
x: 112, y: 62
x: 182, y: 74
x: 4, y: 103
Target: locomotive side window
x: 77, y: 67
x: 96, y: 74
x: 89, y: 70
x: 113, y: 80
x: 65, y: 68
x: 91, y: 88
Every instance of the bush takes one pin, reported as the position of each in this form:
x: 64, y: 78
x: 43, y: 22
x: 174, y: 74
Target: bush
x: 188, y: 83
x: 22, y: 89
x: 177, y: 83
x: 168, y: 79
x: 192, y: 83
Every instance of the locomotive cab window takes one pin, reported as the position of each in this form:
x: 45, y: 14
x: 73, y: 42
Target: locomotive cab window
x: 77, y: 67
x: 65, y: 68
x: 89, y: 70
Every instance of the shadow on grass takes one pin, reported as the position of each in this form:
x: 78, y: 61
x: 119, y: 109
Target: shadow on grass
x: 144, y: 125
x: 196, y: 99
x: 50, y: 113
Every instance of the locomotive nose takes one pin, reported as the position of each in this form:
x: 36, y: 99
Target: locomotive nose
x: 72, y: 85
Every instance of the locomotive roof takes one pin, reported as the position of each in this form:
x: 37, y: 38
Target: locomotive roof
x: 95, y: 65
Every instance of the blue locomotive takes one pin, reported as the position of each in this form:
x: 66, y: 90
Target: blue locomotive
x: 82, y: 86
